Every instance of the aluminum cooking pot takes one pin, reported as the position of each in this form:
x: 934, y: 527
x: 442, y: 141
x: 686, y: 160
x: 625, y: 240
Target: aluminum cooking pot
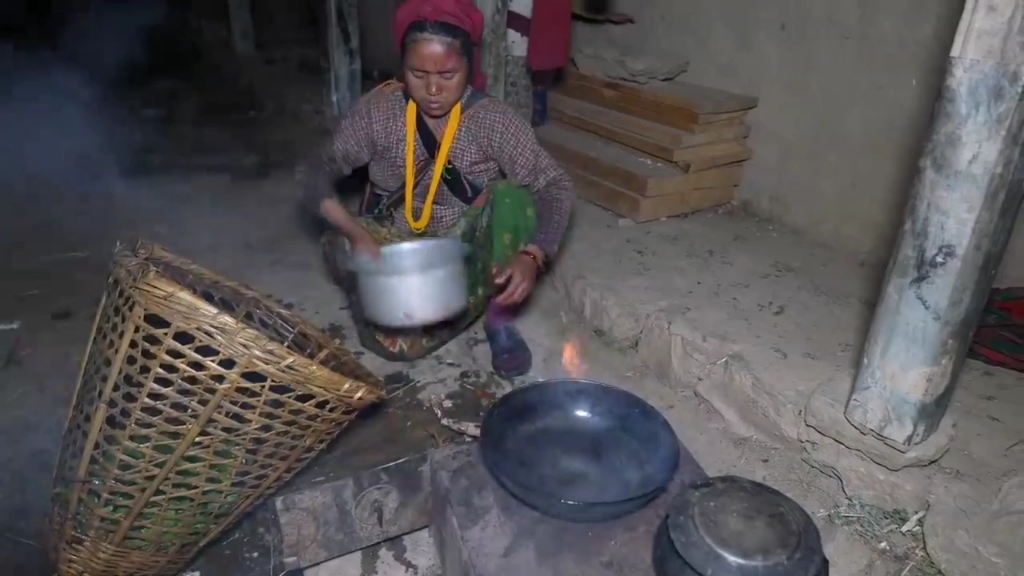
x: 413, y: 284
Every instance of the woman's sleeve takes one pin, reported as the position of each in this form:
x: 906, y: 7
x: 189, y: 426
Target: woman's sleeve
x: 510, y: 140
x: 351, y: 145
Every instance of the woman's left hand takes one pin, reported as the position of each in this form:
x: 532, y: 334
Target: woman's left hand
x: 517, y: 279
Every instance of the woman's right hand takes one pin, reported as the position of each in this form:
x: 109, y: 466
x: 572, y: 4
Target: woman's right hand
x: 360, y: 241
x: 364, y: 245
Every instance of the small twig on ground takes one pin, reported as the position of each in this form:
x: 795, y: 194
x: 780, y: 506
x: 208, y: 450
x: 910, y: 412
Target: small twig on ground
x: 912, y: 523
x: 895, y: 533
x: 706, y: 369
x: 434, y: 436
x: 63, y: 256
x: 403, y: 389
x: 22, y: 540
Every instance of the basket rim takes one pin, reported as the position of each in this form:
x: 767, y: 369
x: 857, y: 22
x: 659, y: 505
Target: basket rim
x: 128, y: 258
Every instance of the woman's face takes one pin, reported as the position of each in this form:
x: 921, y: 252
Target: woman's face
x: 436, y: 74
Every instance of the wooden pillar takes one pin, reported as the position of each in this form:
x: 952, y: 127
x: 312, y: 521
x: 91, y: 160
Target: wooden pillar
x: 495, y: 44
x: 962, y: 208
x: 345, y: 66
x: 518, y: 84
x: 243, y: 36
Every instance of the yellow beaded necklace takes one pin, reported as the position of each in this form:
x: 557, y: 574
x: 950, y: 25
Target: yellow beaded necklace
x: 419, y: 225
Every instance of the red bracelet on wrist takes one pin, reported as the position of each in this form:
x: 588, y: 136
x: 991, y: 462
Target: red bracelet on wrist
x: 532, y: 256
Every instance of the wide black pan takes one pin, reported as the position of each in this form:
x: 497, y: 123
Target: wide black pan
x: 578, y: 450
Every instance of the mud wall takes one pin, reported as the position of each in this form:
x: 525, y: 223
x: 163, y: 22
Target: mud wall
x: 846, y: 89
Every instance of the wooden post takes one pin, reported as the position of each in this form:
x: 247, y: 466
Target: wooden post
x: 345, y: 72
x: 962, y: 208
x: 243, y: 37
x: 495, y: 44
x: 518, y: 84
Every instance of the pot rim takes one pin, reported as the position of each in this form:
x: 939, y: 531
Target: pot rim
x: 412, y: 256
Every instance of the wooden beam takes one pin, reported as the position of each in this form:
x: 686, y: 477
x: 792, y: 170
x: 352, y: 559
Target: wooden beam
x: 636, y: 103
x: 963, y: 204
x: 345, y: 71
x: 644, y: 209
x: 706, y: 104
x: 518, y: 91
x: 243, y: 36
x: 626, y: 168
x: 495, y: 44
x: 650, y: 137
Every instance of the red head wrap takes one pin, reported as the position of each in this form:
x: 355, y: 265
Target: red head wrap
x: 461, y: 13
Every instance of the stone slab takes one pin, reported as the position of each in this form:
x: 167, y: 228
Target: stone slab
x: 480, y: 530
x: 753, y: 318
x: 411, y: 555
x: 336, y: 518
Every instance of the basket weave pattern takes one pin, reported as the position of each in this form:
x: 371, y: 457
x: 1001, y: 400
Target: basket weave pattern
x: 197, y: 398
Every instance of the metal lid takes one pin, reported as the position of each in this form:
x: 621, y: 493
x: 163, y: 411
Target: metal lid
x: 731, y: 525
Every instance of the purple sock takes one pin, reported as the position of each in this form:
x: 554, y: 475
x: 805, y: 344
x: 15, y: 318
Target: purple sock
x: 498, y: 315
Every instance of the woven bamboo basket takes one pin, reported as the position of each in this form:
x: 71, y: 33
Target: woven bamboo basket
x: 197, y: 397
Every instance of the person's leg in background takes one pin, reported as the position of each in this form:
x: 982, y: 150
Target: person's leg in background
x: 543, y: 82
x: 550, y: 43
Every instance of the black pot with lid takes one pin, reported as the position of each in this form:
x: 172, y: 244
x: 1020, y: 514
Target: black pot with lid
x: 731, y: 526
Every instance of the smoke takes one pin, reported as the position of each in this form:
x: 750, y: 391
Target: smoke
x: 111, y: 36
x: 58, y: 147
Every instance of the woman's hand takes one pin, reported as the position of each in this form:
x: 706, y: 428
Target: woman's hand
x: 518, y: 279
x: 363, y: 244
x: 360, y: 240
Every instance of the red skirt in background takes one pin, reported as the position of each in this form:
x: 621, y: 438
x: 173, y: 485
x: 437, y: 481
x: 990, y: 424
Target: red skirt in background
x: 549, y: 30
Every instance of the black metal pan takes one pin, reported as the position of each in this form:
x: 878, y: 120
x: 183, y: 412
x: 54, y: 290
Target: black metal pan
x: 578, y: 450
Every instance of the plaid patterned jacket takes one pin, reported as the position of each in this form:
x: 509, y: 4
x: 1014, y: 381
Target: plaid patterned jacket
x: 493, y: 142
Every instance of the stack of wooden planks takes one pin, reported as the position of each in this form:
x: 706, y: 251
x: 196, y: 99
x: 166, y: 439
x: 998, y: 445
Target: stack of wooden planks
x: 648, y: 153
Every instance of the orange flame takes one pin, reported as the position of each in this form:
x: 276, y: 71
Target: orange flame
x: 572, y: 360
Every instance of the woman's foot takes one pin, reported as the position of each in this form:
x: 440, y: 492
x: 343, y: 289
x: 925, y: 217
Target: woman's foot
x: 510, y: 355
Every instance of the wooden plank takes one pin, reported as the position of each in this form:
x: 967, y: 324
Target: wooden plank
x: 494, y: 47
x: 702, y: 100
x: 640, y: 209
x: 626, y: 104
x: 345, y: 63
x: 717, y: 177
x: 625, y: 168
x: 649, y: 137
x: 626, y: 138
x: 720, y: 125
x: 628, y: 169
x: 243, y: 37
x: 732, y: 120
x: 679, y: 119
x: 700, y: 158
